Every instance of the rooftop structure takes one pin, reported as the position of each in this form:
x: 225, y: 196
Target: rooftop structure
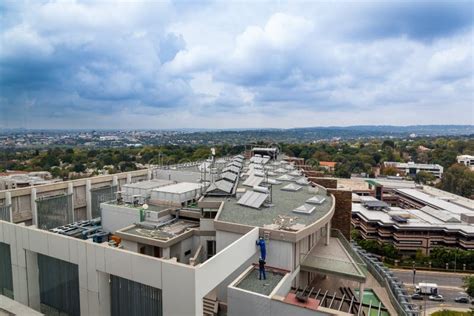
x: 185, y: 248
x: 414, y: 217
x: 467, y: 160
x: 283, y: 202
x: 411, y: 168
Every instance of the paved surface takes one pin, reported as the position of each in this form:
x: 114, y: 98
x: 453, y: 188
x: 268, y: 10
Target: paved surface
x: 265, y: 287
x: 449, y: 285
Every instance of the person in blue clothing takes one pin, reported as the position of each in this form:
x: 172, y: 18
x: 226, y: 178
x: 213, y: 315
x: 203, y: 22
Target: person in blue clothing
x: 261, y: 269
x: 263, y: 250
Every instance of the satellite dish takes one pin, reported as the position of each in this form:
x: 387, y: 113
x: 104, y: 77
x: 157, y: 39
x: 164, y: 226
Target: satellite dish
x: 145, y: 206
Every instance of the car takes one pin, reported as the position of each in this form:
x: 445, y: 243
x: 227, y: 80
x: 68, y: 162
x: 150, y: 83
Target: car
x: 417, y: 296
x: 437, y: 297
x: 462, y: 299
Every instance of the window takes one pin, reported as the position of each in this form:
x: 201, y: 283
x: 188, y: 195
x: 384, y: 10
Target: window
x: 187, y: 253
x: 211, y: 248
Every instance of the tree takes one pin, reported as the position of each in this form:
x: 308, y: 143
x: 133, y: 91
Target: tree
x: 458, y: 179
x: 389, y: 171
x: 342, y: 171
x: 388, y: 143
x: 79, y: 167
x: 469, y: 285
x: 424, y: 177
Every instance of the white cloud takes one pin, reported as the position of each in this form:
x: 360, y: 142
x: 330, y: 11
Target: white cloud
x: 284, y: 64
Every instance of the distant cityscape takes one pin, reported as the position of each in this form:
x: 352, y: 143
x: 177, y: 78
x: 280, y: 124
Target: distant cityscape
x: 23, y: 138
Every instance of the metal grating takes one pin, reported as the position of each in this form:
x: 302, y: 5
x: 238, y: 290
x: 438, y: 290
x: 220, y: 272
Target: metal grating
x: 129, y: 298
x: 252, y: 199
x: 54, y: 211
x: 6, y: 277
x: 59, y: 285
x: 101, y: 195
x: 5, y: 213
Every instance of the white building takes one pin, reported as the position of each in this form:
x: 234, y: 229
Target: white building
x: 467, y: 160
x: 411, y: 168
x: 187, y: 254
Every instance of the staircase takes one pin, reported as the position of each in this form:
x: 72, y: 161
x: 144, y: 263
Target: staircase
x: 210, y: 306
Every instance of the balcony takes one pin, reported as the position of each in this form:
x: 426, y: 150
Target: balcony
x: 335, y: 258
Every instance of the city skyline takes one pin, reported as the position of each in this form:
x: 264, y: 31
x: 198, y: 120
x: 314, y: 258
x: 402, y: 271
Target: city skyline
x: 215, y: 65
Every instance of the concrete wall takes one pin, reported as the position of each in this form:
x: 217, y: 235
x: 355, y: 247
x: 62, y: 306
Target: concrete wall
x: 217, y: 269
x: 95, y: 263
x: 21, y: 199
x: 242, y: 302
x: 115, y: 217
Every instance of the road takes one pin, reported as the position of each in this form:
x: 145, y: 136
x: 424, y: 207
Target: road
x: 449, y: 285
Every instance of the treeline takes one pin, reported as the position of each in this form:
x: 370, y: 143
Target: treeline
x: 367, y: 157
x: 352, y: 157
x: 63, y: 161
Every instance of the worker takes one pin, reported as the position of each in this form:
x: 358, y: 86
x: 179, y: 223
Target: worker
x: 263, y: 250
x: 261, y: 268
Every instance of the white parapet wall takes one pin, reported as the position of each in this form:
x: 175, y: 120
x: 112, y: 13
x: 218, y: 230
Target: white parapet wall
x: 115, y: 217
x: 95, y: 263
x: 183, y: 286
x: 218, y: 268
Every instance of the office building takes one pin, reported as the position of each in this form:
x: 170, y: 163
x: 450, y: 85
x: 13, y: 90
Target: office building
x: 413, y: 217
x: 182, y: 241
x: 411, y: 168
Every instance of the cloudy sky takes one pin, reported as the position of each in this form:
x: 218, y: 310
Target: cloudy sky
x: 221, y: 64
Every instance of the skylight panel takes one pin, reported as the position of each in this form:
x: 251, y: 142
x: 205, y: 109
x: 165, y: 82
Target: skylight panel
x: 316, y: 200
x: 291, y: 187
x: 305, y: 209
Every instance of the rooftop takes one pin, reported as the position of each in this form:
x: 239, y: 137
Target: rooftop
x: 158, y: 231
x: 282, y: 204
x: 252, y: 283
x: 181, y: 187
x: 413, y: 165
x: 426, y: 218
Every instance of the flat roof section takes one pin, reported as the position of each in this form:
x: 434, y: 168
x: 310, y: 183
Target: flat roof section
x: 173, y: 229
x: 433, y: 201
x: 283, y: 203
x: 252, y: 283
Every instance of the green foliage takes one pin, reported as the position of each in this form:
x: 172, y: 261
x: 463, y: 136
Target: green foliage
x: 458, y: 179
x: 424, y: 177
x: 384, y: 249
x: 469, y: 285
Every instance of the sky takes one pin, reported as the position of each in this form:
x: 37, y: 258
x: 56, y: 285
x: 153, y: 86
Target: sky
x: 235, y: 64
